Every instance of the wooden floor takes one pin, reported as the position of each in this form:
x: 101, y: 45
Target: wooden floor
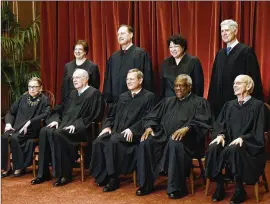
x: 20, y: 191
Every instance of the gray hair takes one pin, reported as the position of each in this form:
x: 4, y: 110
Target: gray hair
x: 184, y: 76
x: 231, y: 23
x: 82, y: 72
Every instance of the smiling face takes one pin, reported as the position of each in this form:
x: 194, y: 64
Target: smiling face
x: 176, y: 50
x: 228, y: 34
x: 181, y: 88
x: 79, y: 52
x: 240, y: 86
x: 124, y: 37
x: 34, y: 88
x: 79, y: 81
x: 133, y: 82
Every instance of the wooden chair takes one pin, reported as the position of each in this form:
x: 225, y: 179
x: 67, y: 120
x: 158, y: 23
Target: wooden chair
x: 51, y: 98
x: 263, y: 177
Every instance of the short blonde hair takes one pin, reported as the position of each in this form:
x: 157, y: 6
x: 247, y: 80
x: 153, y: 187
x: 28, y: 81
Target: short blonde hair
x: 139, y: 73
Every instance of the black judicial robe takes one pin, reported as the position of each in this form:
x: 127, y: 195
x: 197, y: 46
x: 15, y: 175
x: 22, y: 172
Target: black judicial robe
x: 241, y: 60
x: 22, y: 146
x: 111, y: 153
x: 117, y: 68
x: 89, y: 66
x: 247, y: 122
x: 169, y: 115
x: 189, y: 65
x: 79, y: 111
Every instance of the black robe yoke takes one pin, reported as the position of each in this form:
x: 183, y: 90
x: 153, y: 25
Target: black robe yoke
x: 111, y: 153
x: 167, y: 117
x: 189, y: 65
x: 22, y: 146
x: 89, y: 66
x: 241, y: 60
x: 79, y: 111
x: 117, y: 68
x: 247, y: 122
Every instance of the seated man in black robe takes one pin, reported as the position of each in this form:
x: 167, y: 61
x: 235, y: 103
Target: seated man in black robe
x: 113, y: 152
x: 67, y: 126
x: 177, y: 124
x: 22, y: 126
x: 238, y: 141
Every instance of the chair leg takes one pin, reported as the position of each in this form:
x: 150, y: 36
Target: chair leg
x: 202, y: 170
x: 256, y: 188
x: 265, y: 182
x: 191, y: 180
x: 207, y: 186
x: 82, y: 163
x: 34, y: 165
x: 134, y: 179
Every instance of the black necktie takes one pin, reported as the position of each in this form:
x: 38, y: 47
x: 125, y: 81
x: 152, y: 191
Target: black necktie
x: 228, y: 49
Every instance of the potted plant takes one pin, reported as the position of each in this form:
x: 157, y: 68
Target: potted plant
x: 16, y: 70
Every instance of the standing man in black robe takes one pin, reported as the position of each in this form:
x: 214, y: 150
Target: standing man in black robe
x: 181, y: 122
x: 180, y: 62
x: 238, y: 141
x: 80, y: 50
x: 22, y: 126
x: 122, y: 61
x: 68, y: 125
x: 113, y: 152
x: 237, y: 58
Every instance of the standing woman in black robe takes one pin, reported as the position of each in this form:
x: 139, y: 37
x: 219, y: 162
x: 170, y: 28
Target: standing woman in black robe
x: 180, y: 62
x: 80, y: 50
x: 22, y: 126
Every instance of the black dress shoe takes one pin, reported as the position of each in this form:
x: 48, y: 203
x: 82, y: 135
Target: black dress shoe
x: 142, y: 191
x: 21, y: 173
x: 65, y: 181
x: 104, y: 182
x: 177, y: 194
x: 239, y: 196
x: 112, y: 185
x: 218, y: 195
x: 6, y: 173
x: 39, y: 180
x: 57, y: 182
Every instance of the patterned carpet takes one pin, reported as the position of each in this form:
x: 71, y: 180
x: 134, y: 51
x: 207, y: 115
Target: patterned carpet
x: 20, y: 191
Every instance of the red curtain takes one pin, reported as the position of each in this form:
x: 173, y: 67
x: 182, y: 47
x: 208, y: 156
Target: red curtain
x: 62, y: 23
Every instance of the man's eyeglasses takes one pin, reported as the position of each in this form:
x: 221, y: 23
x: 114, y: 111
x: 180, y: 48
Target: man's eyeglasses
x: 33, y: 87
x: 238, y: 83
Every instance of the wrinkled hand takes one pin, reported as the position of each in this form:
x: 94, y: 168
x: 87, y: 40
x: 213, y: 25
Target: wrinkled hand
x: 24, y: 128
x: 219, y: 139
x: 105, y: 130
x: 146, y: 134
x: 180, y: 133
x: 8, y: 127
x: 52, y: 124
x: 71, y: 128
x: 128, y: 135
x: 237, y: 141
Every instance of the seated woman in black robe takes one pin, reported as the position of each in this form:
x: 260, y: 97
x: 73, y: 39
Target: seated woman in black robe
x: 180, y: 62
x: 22, y: 126
x: 238, y: 142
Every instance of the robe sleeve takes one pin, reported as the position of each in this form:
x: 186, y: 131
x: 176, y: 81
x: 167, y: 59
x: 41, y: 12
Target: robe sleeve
x: 202, y: 120
x: 254, y: 140
x: 137, y: 128
x: 107, y: 85
x: 253, y: 71
x: 12, y: 112
x: 198, y: 78
x: 57, y: 111
x: 109, y: 121
x: 46, y: 108
x: 146, y: 67
x: 95, y: 111
x: 162, y: 81
x: 95, y: 77
x: 154, y: 117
